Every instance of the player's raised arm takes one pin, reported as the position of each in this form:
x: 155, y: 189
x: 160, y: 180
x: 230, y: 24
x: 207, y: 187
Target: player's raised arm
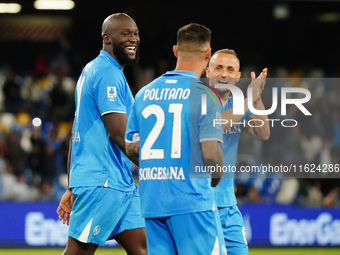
x: 260, y: 128
x: 257, y: 86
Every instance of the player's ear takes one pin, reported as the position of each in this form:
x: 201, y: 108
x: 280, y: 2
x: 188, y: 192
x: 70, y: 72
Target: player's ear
x: 106, y: 39
x: 238, y: 76
x: 175, y: 50
x: 207, y: 72
x: 208, y: 53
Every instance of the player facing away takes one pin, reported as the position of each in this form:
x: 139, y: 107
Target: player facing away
x: 102, y: 195
x: 164, y: 128
x: 224, y: 68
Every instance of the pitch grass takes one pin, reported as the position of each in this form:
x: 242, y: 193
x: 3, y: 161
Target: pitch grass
x: 119, y: 251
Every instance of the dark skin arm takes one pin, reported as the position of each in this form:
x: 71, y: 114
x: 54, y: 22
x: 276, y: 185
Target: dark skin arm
x: 67, y: 200
x: 116, y: 127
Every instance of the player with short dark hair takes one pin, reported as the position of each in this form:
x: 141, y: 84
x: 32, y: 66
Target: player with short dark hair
x: 102, y: 195
x: 224, y: 68
x: 170, y: 135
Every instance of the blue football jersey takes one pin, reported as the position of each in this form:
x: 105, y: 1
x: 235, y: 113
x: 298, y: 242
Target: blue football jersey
x: 225, y: 190
x: 167, y: 117
x: 95, y: 159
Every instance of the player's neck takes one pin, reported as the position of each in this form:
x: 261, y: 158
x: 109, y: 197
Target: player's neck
x: 224, y: 95
x: 193, y: 66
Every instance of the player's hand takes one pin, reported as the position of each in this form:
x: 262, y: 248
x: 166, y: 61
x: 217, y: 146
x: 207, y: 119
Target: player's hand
x: 65, y: 207
x: 257, y: 84
x: 261, y: 79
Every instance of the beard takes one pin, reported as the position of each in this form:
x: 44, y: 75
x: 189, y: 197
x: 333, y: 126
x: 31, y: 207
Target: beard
x: 221, y: 91
x: 123, y: 58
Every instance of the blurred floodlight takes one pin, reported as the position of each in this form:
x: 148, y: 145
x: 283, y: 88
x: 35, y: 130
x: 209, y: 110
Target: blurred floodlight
x: 36, y: 122
x: 10, y: 8
x: 329, y: 17
x: 281, y: 11
x: 54, y: 4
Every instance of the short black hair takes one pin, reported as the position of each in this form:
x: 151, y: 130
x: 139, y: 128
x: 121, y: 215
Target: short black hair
x: 194, y: 33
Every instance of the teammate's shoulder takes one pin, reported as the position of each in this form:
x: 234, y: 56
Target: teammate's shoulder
x: 203, y: 88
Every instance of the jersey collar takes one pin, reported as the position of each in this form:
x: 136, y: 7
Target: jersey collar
x: 107, y: 55
x: 184, y: 73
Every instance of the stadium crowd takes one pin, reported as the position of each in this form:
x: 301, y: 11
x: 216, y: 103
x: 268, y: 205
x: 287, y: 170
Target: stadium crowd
x: 33, y: 151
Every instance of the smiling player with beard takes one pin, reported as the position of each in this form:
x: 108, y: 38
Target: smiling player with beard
x: 101, y: 194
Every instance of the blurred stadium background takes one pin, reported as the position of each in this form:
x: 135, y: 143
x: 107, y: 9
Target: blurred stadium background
x: 43, y: 52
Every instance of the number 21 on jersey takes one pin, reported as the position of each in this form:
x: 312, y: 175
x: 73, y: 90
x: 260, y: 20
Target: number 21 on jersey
x: 176, y: 137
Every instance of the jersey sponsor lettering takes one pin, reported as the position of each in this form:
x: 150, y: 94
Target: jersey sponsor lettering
x: 76, y: 137
x: 166, y: 94
x: 161, y: 173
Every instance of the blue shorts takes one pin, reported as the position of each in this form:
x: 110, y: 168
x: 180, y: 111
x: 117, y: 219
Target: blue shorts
x: 98, y: 214
x: 190, y: 233
x: 233, y: 230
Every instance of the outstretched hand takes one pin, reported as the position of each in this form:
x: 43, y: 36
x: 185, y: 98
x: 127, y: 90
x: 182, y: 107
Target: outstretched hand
x: 65, y: 207
x: 257, y: 84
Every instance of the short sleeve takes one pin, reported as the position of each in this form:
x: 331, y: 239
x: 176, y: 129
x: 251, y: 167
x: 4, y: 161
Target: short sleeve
x: 109, y: 90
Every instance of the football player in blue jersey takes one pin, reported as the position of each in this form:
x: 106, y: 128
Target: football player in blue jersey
x: 102, y: 201
x: 173, y: 139
x: 224, y: 68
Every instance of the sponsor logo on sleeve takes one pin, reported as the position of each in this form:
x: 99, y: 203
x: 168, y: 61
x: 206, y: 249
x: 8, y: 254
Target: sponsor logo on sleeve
x: 111, y: 93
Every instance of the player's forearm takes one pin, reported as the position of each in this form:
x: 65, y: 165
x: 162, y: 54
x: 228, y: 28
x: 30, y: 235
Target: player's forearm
x: 132, y: 151
x: 69, y: 158
x: 119, y: 140
x: 260, y: 123
x: 262, y: 133
x: 69, y: 163
x: 213, y: 157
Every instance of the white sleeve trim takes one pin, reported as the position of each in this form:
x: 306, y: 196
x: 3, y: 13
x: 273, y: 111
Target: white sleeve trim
x: 128, y: 141
x: 112, y: 112
x: 211, y: 139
